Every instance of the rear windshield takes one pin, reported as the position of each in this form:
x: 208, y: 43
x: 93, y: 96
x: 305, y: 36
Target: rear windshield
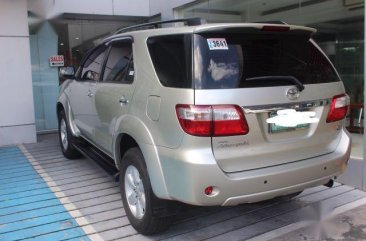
x: 237, y: 60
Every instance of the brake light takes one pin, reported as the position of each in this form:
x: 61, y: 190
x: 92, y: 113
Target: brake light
x: 195, y: 120
x: 272, y: 28
x: 229, y: 120
x: 216, y: 120
x: 338, y: 108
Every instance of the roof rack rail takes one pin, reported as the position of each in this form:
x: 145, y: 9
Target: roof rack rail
x: 187, y: 21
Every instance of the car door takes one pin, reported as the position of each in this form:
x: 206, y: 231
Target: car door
x: 114, y: 92
x: 83, y: 89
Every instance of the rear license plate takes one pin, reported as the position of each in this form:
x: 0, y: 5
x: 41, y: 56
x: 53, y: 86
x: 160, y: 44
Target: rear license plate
x: 273, y: 128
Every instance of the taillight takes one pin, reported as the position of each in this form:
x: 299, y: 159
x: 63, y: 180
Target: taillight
x: 338, y: 108
x: 195, y: 120
x: 229, y: 120
x: 216, y: 120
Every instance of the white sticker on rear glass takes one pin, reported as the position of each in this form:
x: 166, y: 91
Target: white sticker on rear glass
x: 217, y: 44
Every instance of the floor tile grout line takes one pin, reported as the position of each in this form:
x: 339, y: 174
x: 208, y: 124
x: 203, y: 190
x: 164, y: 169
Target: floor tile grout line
x: 52, y: 183
x: 76, y: 211
x: 40, y: 179
x: 81, y: 221
x: 59, y: 194
x: 42, y: 200
x: 32, y: 177
x: 75, y: 218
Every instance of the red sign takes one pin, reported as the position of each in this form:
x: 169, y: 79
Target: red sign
x: 56, y: 60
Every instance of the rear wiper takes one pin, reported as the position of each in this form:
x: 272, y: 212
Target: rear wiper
x: 293, y: 79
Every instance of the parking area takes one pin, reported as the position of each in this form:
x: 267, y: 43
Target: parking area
x: 44, y: 196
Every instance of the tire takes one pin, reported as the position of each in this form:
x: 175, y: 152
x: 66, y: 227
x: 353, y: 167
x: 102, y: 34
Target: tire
x: 66, y: 139
x: 138, y: 198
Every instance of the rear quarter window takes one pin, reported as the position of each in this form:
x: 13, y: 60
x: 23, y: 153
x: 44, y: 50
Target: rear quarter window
x: 171, y: 57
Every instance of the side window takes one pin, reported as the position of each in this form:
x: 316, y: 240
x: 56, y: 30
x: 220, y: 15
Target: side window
x: 171, y: 57
x: 93, y: 65
x: 119, y: 65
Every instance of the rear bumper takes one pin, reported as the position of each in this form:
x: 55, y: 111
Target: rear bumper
x: 188, y: 172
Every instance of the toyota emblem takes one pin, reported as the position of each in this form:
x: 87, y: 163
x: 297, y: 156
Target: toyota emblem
x: 292, y: 93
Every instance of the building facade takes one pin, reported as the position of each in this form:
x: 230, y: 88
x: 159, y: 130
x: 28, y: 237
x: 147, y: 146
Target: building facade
x: 33, y: 33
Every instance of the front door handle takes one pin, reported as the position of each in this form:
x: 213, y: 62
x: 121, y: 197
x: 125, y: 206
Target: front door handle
x: 123, y: 100
x: 90, y: 94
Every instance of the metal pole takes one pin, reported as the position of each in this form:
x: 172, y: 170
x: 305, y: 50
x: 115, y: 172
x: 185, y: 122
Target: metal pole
x: 364, y: 136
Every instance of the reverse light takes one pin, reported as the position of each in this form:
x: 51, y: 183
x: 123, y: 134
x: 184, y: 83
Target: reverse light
x: 229, y: 120
x: 215, y: 120
x: 338, y: 108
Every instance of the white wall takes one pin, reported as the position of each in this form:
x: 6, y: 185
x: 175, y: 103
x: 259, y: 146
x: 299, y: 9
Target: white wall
x: 318, y: 13
x: 166, y: 7
x: 48, y: 9
x: 16, y: 95
x: 132, y: 8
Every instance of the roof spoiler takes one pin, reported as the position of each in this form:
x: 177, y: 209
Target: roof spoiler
x: 258, y: 27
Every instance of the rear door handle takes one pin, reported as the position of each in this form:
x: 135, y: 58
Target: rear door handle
x: 123, y: 100
x: 90, y: 94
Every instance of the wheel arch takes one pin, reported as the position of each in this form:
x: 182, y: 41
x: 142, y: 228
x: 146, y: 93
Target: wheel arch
x: 124, y: 142
x: 59, y: 108
x: 133, y: 133
x: 63, y: 104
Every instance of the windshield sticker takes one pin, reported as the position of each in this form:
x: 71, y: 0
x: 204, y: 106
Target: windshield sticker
x: 217, y: 44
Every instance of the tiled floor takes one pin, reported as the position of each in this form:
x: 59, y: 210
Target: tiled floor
x: 28, y: 207
x: 348, y: 226
x: 92, y: 198
x: 354, y: 175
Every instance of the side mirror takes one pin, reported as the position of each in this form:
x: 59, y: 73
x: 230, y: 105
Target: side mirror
x: 67, y: 72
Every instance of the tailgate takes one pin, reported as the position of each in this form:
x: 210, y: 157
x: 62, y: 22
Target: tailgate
x: 264, y: 72
x: 266, y: 145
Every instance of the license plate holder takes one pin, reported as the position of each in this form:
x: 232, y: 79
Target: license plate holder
x: 273, y: 128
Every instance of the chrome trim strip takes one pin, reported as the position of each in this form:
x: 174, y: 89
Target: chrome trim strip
x: 115, y: 39
x: 299, y: 105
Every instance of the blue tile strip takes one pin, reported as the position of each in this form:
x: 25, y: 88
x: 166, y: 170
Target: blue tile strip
x: 29, y: 210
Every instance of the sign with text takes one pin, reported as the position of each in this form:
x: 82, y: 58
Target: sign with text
x: 56, y: 60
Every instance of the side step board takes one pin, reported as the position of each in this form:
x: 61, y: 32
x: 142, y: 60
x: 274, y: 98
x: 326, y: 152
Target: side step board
x: 99, y: 157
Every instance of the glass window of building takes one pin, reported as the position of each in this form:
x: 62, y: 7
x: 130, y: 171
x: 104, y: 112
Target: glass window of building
x: 70, y: 36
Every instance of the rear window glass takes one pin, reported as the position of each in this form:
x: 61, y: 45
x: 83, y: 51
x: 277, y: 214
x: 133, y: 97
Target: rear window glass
x: 257, y: 60
x: 171, y: 57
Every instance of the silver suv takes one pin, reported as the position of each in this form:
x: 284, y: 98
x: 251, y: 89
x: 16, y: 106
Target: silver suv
x: 206, y: 114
